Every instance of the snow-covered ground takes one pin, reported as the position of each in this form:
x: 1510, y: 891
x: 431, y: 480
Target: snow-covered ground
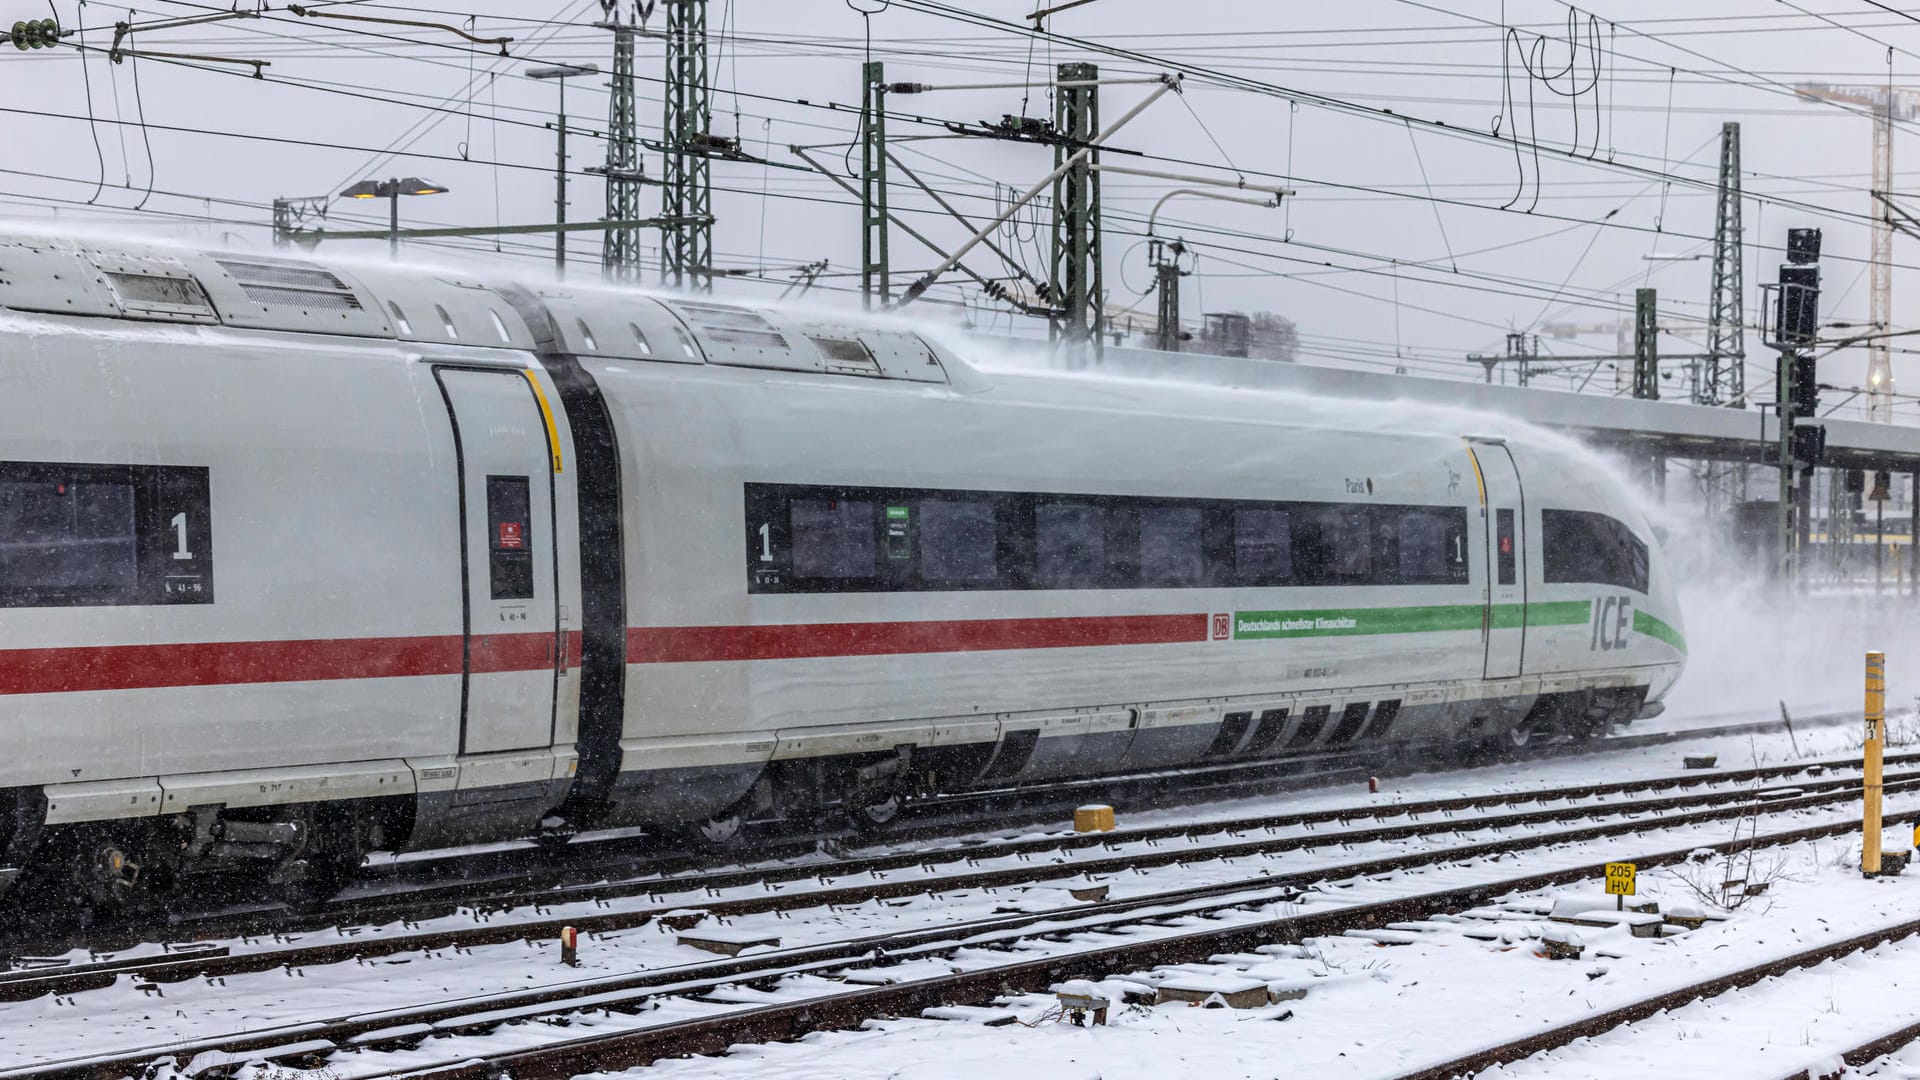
x: 1378, y: 1010
x: 1372, y: 1009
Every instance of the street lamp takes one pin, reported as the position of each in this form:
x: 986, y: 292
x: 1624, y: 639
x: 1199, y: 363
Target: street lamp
x: 391, y: 190
x: 560, y: 73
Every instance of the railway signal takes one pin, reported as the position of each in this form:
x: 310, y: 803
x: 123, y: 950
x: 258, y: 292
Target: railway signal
x: 1795, y: 312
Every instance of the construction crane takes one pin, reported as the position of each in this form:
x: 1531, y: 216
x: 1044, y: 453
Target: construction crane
x: 1885, y: 104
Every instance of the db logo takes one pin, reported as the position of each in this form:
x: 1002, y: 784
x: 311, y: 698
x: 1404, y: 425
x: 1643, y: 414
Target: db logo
x: 1222, y: 627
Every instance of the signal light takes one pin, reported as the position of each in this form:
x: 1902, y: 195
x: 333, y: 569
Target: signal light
x: 1809, y: 443
x: 1797, y: 317
x: 35, y: 34
x: 1803, y: 246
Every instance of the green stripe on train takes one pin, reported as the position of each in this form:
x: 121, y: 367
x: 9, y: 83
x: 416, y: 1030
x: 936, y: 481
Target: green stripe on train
x: 1346, y: 622
x: 1644, y: 623
x: 1343, y: 622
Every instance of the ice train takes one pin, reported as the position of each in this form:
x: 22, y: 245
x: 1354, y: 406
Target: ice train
x: 300, y: 560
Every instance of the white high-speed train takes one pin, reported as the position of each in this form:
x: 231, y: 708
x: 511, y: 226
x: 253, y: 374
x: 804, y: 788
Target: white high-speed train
x: 300, y: 560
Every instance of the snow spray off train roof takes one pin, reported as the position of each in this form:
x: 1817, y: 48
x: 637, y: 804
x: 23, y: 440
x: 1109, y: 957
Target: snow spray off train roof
x: 428, y: 305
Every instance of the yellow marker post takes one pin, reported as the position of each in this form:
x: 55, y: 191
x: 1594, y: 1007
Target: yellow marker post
x: 1620, y: 882
x: 1095, y: 818
x: 1876, y: 731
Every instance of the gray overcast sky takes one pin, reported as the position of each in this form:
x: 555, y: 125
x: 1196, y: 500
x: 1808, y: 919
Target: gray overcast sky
x: 1360, y: 259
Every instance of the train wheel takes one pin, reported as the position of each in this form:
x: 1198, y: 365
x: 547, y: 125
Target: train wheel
x: 1589, y: 731
x: 717, y: 833
x: 879, y: 815
x: 334, y: 852
x: 721, y: 830
x: 104, y: 872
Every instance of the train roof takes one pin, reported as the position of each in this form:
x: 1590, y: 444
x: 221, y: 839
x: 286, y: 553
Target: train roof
x: 280, y: 292
x: 297, y: 294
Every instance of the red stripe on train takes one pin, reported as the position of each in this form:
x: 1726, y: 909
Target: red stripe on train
x: 222, y: 663
x: 682, y: 644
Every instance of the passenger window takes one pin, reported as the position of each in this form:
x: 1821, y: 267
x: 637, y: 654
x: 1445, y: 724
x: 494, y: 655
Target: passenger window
x: 93, y: 535
x: 959, y: 541
x: 1070, y: 545
x: 1332, y: 545
x: 1504, y: 542
x: 1171, y: 552
x: 63, y: 535
x: 510, y: 537
x: 1581, y: 546
x: 1262, y: 547
x: 1432, y: 546
x: 833, y: 538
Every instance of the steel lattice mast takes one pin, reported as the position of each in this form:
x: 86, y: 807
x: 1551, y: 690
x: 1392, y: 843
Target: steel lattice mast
x: 1726, y: 381
x: 1077, y: 288
x: 620, y: 251
x: 1885, y: 104
x: 687, y: 173
x: 876, y: 283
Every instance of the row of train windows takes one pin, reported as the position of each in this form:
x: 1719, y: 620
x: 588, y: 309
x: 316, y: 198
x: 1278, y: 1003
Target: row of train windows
x: 831, y: 539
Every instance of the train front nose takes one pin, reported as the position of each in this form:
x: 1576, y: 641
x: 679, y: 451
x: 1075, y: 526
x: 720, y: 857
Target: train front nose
x: 1661, y: 624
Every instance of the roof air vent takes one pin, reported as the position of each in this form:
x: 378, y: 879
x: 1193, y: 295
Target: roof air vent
x: 155, y: 294
x: 732, y: 326
x: 292, y: 285
x: 845, y: 357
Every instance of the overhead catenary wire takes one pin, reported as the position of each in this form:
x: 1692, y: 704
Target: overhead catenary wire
x: 1426, y: 190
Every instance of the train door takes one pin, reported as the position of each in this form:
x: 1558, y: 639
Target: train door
x: 507, y: 520
x: 1504, y: 505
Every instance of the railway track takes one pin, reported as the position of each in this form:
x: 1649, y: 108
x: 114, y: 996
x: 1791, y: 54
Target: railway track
x: 611, y: 868
x: 1884, y: 1055
x: 1806, y: 971
x: 863, y: 879
x: 692, y: 1008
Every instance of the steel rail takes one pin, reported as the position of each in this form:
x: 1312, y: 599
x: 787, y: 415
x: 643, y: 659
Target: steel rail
x: 1865, y: 1053
x: 593, y: 876
x: 208, y: 961
x: 745, y: 1025
x: 202, y: 960
x: 1600, y: 1023
x: 788, y: 1021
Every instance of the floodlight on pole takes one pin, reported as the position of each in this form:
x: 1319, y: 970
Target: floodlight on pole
x: 560, y: 73
x: 391, y: 190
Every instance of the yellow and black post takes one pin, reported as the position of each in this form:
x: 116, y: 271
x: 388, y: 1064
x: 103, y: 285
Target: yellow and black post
x: 1876, y: 732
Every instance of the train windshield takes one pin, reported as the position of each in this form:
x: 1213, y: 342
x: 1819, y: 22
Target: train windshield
x: 1582, y: 546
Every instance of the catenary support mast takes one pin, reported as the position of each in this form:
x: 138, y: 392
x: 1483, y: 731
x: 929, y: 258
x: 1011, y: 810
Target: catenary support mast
x: 1077, y: 286
x: 620, y: 249
x: 686, y: 257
